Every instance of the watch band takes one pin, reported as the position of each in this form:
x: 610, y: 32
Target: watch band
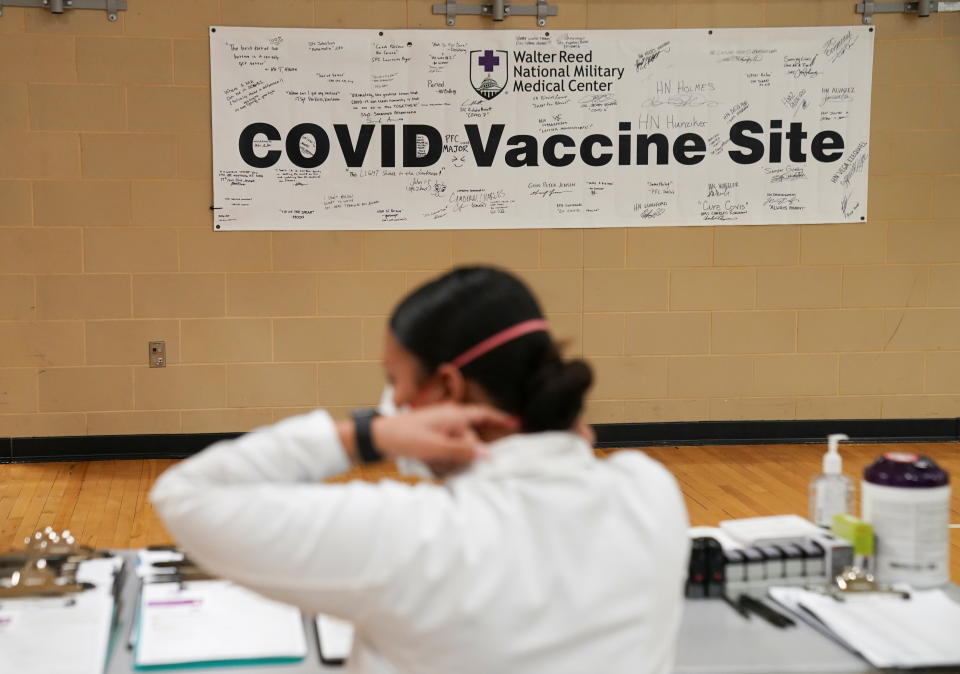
x: 363, y: 435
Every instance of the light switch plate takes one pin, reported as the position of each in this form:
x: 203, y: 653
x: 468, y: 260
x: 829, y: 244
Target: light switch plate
x: 158, y: 354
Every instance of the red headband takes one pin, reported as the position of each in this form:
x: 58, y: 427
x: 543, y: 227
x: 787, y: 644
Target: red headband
x: 498, y: 339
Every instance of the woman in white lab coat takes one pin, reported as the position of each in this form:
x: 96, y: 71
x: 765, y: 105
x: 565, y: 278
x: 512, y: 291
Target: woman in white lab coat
x: 529, y: 556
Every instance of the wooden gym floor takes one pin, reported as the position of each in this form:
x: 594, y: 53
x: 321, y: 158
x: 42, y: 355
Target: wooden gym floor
x: 104, y: 503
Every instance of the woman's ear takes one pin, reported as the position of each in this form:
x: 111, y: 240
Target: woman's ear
x: 452, y: 383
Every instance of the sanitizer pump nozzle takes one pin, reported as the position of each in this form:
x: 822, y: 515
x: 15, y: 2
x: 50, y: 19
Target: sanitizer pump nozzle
x: 832, y: 461
x: 831, y: 492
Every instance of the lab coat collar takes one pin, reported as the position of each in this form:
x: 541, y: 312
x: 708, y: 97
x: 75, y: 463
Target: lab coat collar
x: 528, y: 454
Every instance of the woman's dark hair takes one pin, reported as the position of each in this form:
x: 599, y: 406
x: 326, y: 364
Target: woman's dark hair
x: 526, y: 376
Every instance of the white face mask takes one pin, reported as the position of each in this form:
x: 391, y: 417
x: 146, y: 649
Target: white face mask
x: 386, y: 406
x: 405, y: 466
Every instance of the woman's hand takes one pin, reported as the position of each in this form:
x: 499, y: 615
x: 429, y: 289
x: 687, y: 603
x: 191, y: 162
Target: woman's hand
x: 445, y: 436
x: 439, y: 433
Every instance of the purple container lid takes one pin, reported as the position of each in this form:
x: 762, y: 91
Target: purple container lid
x: 903, y: 469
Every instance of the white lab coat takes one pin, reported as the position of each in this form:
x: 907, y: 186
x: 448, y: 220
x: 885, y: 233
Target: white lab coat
x: 541, y: 559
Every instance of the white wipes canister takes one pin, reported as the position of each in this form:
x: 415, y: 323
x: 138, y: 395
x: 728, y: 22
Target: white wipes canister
x: 906, y: 497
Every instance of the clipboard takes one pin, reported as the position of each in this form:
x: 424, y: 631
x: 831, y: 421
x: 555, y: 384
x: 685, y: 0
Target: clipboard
x: 48, y: 566
x: 58, y: 609
x: 212, y: 623
x: 885, y: 629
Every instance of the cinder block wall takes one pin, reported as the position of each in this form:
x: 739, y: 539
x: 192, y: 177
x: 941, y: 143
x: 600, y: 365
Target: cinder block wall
x: 106, y: 243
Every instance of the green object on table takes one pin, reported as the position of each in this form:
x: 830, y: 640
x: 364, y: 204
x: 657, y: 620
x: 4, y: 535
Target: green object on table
x: 855, y: 530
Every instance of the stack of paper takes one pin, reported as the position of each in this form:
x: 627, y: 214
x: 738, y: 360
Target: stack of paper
x: 214, y: 622
x: 923, y: 631
x: 61, y: 635
x: 770, y: 530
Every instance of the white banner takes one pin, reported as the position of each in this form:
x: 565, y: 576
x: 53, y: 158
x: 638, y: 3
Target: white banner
x: 432, y: 129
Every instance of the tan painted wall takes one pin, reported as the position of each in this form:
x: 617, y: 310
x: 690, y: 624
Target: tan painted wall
x: 101, y: 249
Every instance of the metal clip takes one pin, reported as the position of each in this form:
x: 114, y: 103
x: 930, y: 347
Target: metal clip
x: 49, y: 566
x: 112, y: 7
x: 450, y: 9
x: 543, y: 12
x: 921, y: 8
x: 855, y: 580
x: 498, y: 10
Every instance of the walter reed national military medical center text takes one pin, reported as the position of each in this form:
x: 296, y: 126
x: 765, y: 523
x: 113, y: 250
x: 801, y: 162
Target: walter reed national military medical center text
x: 308, y: 144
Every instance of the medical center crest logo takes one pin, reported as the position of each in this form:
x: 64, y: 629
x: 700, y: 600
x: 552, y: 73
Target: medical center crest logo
x: 488, y: 71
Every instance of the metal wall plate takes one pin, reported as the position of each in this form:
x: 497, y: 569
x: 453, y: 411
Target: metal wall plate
x: 922, y: 8
x: 158, y: 353
x: 111, y: 7
x: 498, y: 10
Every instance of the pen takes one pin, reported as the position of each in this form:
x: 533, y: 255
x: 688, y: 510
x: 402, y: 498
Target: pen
x: 736, y: 606
x: 170, y: 564
x: 119, y: 575
x: 770, y: 615
x: 787, y: 620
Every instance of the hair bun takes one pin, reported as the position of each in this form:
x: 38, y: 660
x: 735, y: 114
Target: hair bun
x: 554, y: 398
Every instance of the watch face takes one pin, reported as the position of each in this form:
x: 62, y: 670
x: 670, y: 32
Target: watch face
x: 366, y: 413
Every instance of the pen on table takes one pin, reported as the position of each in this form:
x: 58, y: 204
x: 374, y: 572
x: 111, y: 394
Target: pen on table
x: 787, y: 620
x: 770, y: 615
x: 119, y: 575
x: 736, y: 606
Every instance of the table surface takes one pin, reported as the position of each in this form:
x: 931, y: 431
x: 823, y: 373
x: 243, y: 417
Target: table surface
x: 714, y: 639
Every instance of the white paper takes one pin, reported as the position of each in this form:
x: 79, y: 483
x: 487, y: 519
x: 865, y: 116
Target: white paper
x: 214, y: 620
x: 61, y: 635
x: 771, y: 530
x: 726, y: 542
x: 272, y: 88
x: 923, y: 631
x: 100, y: 572
x: 336, y: 637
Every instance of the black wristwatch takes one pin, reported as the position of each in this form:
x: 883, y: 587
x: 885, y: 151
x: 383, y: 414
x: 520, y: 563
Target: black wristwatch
x: 363, y: 435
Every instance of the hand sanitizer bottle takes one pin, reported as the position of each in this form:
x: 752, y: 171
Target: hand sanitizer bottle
x: 831, y: 492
